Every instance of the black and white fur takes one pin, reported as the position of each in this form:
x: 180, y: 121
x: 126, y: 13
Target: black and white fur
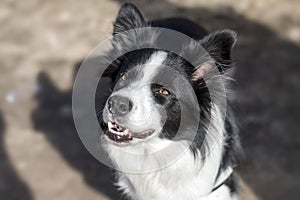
x: 147, y: 115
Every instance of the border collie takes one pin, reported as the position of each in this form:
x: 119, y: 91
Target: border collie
x: 155, y: 149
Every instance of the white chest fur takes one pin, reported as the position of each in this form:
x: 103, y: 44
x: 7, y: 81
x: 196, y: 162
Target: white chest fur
x: 187, y: 178
x: 174, y: 182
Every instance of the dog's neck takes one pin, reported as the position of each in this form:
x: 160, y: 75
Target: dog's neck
x: 186, y: 178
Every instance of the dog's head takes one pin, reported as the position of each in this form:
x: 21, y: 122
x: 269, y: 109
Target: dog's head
x: 150, y: 85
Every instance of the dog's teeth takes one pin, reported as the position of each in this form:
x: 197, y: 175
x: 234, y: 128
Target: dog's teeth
x: 110, y: 125
x: 126, y: 131
x: 119, y: 132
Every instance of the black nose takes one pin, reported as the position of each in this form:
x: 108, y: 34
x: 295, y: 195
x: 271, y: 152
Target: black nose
x: 119, y: 105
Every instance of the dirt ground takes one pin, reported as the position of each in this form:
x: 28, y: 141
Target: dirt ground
x: 41, y: 156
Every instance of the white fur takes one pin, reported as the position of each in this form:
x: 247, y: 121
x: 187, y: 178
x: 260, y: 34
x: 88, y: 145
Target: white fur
x: 185, y: 178
x: 150, y: 68
x: 143, y: 115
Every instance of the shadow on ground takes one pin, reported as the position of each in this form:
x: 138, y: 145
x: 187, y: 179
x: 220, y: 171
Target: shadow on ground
x: 11, y: 185
x: 266, y: 102
x: 54, y: 118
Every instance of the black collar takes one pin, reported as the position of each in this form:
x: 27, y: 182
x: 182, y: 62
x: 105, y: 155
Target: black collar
x: 223, y: 178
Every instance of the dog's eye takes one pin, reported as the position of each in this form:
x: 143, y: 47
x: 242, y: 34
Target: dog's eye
x: 164, y: 91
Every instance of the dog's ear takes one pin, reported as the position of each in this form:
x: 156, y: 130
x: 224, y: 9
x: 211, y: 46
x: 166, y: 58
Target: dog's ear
x: 129, y: 17
x: 219, y: 46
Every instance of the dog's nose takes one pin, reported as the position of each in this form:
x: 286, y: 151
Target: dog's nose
x: 119, y: 105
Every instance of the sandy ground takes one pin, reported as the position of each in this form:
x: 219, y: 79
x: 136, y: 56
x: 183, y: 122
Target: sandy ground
x: 41, y: 156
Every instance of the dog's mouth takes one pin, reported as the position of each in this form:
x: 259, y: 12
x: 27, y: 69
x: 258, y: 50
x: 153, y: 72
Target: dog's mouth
x: 119, y: 134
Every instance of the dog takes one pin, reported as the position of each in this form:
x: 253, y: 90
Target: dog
x: 157, y: 99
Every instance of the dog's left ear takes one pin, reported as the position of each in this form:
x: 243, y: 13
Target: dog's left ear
x: 129, y: 17
x: 219, y: 46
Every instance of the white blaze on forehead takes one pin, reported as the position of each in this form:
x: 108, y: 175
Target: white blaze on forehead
x: 150, y: 67
x: 144, y: 115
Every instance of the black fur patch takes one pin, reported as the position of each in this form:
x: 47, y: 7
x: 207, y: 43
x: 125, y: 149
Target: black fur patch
x: 219, y: 45
x: 171, y: 105
x: 129, y: 17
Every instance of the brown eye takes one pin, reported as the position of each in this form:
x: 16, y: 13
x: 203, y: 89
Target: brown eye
x: 164, y: 91
x: 124, y: 77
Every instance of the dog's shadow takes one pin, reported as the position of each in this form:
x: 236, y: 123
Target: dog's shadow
x: 54, y: 118
x: 11, y: 185
x: 266, y: 104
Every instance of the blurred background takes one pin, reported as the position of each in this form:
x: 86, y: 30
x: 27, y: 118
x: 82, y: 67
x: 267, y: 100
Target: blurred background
x: 41, y: 42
